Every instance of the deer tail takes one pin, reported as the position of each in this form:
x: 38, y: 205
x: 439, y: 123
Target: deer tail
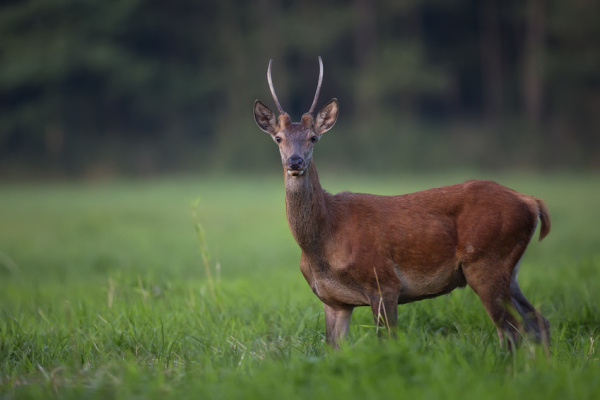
x: 544, y: 218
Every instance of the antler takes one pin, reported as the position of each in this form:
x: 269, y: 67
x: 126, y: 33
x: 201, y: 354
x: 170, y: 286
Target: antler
x: 273, y: 89
x: 312, y: 108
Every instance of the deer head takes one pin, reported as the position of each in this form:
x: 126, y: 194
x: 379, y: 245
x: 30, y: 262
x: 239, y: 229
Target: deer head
x: 296, y: 140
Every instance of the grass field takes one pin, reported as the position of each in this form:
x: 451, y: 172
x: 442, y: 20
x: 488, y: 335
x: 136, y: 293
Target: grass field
x: 104, y: 293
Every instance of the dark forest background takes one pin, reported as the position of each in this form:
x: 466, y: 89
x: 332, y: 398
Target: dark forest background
x: 93, y: 88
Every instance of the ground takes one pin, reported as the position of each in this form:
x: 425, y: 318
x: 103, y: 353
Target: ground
x: 180, y: 287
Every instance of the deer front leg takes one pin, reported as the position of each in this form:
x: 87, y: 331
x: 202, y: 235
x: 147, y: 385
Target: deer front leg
x: 385, y: 314
x: 337, y: 324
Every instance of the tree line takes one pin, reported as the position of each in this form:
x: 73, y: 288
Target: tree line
x: 145, y: 86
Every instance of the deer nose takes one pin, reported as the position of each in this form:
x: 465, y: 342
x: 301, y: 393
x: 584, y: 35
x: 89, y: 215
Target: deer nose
x: 295, y: 163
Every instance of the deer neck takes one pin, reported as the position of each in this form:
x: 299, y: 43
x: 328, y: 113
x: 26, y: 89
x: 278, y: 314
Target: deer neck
x: 307, y: 212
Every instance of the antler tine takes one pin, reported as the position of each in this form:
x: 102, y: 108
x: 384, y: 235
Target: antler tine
x: 273, y: 89
x: 312, y: 108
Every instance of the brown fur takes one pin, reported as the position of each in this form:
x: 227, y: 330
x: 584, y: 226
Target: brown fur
x: 381, y: 251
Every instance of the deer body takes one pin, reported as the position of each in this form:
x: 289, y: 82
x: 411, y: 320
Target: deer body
x: 381, y: 251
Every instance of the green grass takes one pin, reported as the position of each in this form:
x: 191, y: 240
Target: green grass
x: 104, y: 294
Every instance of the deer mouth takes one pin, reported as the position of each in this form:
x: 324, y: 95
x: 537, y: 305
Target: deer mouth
x: 296, y: 172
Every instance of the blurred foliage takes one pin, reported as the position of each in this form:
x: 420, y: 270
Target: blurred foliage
x: 143, y: 86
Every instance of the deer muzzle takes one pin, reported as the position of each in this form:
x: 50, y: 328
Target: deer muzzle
x: 295, y: 165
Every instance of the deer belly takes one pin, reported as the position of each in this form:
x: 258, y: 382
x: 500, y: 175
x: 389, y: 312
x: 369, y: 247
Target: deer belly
x: 417, y: 284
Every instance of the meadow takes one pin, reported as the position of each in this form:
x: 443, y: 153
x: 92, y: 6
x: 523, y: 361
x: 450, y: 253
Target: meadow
x: 188, y: 287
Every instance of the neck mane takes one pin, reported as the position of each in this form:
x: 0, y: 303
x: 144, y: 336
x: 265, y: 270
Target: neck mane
x: 306, y: 208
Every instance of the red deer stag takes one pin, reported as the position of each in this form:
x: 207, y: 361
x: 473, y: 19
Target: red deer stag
x: 381, y: 251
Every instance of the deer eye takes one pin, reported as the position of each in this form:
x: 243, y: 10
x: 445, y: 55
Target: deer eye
x: 278, y: 139
x: 314, y: 139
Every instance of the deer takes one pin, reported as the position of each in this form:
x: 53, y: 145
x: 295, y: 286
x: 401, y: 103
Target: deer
x: 382, y: 251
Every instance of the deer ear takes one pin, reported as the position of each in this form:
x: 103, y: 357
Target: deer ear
x: 326, y: 117
x: 265, y: 119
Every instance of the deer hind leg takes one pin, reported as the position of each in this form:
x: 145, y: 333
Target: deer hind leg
x: 535, y: 323
x: 492, y: 285
x: 337, y: 324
